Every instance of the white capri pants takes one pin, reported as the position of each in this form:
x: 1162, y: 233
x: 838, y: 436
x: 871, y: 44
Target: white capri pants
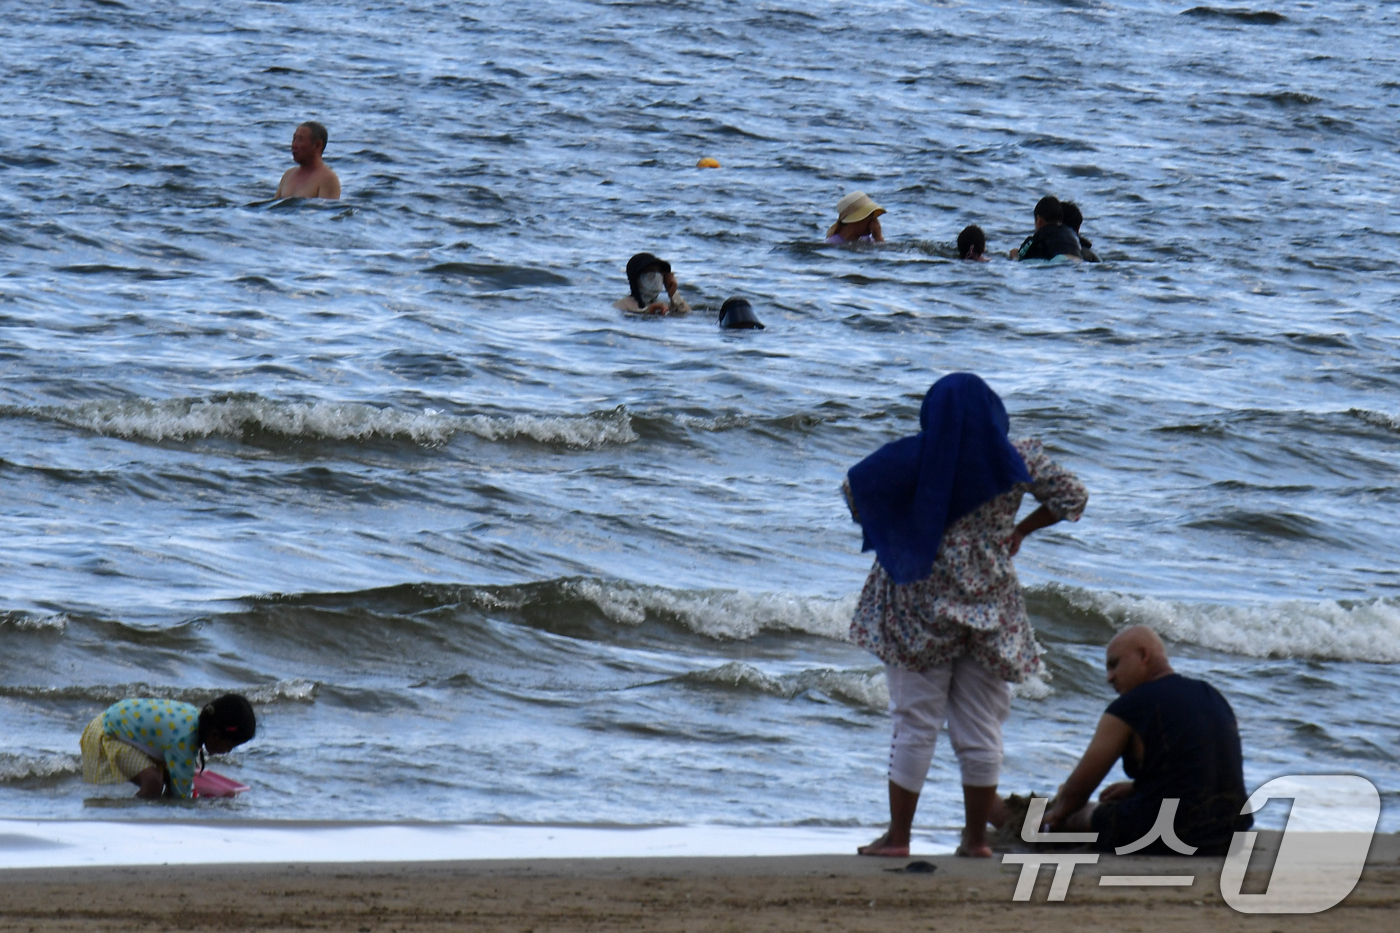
x: 972, y: 700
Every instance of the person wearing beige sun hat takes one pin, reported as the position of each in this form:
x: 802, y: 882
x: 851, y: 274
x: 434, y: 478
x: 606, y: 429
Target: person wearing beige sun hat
x: 857, y: 221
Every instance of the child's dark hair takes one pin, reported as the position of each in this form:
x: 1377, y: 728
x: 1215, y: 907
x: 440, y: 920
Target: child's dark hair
x: 1049, y: 208
x: 231, y: 715
x: 1071, y: 214
x: 972, y: 242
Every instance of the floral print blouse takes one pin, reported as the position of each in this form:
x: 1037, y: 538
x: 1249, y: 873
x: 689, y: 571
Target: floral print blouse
x: 167, y: 730
x: 971, y: 603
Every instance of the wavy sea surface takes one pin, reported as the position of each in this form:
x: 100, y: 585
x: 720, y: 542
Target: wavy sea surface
x: 482, y: 548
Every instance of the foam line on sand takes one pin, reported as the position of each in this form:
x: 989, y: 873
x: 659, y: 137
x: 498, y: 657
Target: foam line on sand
x: 58, y: 843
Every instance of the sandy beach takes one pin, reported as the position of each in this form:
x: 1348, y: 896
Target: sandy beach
x: 796, y: 893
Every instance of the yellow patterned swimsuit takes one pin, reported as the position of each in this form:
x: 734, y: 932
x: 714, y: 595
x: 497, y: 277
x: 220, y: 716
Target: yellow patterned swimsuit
x: 137, y: 734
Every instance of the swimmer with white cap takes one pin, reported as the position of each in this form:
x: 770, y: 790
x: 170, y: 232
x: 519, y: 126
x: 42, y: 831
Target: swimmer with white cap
x: 857, y: 221
x: 647, y: 277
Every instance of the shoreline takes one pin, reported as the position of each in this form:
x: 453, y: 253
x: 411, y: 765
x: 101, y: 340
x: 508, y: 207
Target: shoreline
x: 37, y: 844
x: 782, y: 893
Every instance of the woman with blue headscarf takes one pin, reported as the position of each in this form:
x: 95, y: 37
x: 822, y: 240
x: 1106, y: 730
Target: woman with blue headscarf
x: 942, y: 606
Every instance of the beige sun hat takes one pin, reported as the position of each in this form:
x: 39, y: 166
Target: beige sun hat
x: 854, y: 207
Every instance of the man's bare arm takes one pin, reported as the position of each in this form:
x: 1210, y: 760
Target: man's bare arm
x: 1108, y: 745
x: 330, y: 187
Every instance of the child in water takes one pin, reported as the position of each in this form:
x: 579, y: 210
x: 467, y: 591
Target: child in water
x: 972, y: 244
x: 154, y: 743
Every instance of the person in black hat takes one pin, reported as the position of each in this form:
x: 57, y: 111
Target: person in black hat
x: 647, y: 277
x: 737, y: 314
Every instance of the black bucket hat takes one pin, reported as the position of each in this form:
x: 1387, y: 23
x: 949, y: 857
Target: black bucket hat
x: 737, y: 314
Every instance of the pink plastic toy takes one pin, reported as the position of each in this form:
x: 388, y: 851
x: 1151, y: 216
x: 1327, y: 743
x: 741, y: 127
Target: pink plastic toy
x: 214, y: 784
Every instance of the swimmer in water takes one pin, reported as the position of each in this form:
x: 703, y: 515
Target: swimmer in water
x: 312, y: 178
x: 1072, y: 219
x: 647, y: 277
x: 972, y: 244
x: 857, y: 221
x: 1051, y: 238
x: 737, y: 314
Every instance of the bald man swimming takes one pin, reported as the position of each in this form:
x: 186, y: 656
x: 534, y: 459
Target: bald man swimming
x: 1177, y: 738
x: 312, y: 178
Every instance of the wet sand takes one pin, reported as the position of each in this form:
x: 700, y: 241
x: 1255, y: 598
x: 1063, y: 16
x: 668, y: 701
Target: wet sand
x: 796, y: 893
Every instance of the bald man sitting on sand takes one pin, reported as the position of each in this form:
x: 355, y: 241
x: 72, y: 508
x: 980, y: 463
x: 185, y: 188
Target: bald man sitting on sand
x: 312, y: 178
x: 1178, y: 739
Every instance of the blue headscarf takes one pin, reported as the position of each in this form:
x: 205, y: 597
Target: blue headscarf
x: 911, y: 489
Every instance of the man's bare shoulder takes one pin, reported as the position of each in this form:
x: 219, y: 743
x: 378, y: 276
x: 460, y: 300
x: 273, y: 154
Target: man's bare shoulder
x: 286, y: 183
x: 328, y: 182
x: 319, y: 182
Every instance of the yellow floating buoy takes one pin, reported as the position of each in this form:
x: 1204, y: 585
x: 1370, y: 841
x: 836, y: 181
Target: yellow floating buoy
x: 707, y: 162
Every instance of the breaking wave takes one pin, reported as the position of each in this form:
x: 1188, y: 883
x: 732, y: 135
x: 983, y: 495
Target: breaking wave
x: 720, y: 614
x: 1362, y: 630
x: 283, y: 691
x: 1330, y: 630
x: 241, y: 416
x: 864, y: 689
x: 16, y: 767
x: 1377, y: 419
x: 25, y: 621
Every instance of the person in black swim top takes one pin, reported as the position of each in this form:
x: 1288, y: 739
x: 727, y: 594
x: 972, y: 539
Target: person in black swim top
x: 1178, y: 739
x: 1051, y: 238
x: 1073, y: 218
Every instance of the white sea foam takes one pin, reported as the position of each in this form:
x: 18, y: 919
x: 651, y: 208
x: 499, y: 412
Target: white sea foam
x: 867, y: 689
x: 1322, y: 629
x: 17, y: 767
x: 283, y: 691
x: 859, y: 688
x: 26, y: 622
x: 725, y: 614
x: 183, y: 419
x: 1033, y: 688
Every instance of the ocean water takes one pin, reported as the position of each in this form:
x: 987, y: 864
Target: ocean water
x: 482, y: 548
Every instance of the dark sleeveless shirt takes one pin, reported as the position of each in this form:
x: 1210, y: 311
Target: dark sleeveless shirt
x: 1050, y: 241
x: 1191, y: 750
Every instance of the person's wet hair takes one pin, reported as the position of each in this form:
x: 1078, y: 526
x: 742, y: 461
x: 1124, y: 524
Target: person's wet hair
x: 318, y: 133
x: 1072, y: 218
x: 737, y: 314
x: 1048, y: 209
x: 230, y: 716
x: 638, y: 266
x: 972, y: 242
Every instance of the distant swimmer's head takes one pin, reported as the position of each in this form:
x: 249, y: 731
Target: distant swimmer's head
x: 226, y: 723
x: 737, y: 314
x: 857, y: 216
x: 309, y: 142
x: 1135, y: 656
x: 1048, y: 211
x: 648, y: 277
x: 972, y: 243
